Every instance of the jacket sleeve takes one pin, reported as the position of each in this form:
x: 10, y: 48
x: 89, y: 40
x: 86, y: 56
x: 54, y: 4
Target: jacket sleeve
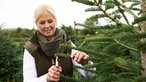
x: 29, y: 69
x: 82, y: 72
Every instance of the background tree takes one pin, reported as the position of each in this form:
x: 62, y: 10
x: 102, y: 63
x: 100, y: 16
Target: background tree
x: 10, y: 60
x: 11, y: 53
x: 69, y: 31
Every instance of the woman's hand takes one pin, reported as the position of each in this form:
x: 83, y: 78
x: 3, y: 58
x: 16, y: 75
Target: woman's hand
x: 80, y: 57
x: 53, y: 74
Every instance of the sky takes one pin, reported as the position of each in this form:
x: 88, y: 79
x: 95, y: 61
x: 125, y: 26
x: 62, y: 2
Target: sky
x: 19, y: 13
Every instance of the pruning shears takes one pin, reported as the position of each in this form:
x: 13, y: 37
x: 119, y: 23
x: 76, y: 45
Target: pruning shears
x: 56, y: 61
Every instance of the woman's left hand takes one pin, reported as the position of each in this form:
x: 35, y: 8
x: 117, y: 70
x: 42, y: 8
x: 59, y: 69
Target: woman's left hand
x: 80, y: 57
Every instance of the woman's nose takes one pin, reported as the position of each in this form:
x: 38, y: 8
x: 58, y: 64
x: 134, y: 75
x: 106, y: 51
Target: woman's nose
x: 47, y: 25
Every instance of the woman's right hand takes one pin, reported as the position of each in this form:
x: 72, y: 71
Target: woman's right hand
x: 54, y: 74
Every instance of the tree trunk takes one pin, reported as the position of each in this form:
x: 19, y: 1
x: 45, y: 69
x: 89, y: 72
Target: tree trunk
x: 143, y: 29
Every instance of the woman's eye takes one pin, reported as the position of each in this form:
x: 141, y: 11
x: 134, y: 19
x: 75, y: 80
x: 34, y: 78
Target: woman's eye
x: 42, y: 22
x: 50, y: 21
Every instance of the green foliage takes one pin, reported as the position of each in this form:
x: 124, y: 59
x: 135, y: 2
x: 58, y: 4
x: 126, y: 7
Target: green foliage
x: 139, y: 19
x: 115, y: 49
x: 69, y: 31
x: 109, y: 4
x: 73, y: 33
x: 11, y: 53
x: 87, y: 2
x: 10, y: 60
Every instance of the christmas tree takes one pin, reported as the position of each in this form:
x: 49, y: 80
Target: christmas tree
x: 115, y: 47
x: 10, y: 59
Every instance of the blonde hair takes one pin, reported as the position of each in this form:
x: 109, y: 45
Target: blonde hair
x: 40, y: 10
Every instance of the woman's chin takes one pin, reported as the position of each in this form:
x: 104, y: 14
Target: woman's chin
x: 49, y: 35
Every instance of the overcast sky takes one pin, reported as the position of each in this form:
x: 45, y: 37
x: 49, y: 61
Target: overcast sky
x: 19, y: 13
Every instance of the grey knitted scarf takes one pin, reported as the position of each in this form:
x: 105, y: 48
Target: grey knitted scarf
x: 50, y: 47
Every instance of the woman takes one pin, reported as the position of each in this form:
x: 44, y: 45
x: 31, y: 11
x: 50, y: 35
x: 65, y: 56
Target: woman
x: 39, y: 59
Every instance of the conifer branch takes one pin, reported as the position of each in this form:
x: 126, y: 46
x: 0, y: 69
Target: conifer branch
x: 129, y: 10
x: 82, y: 44
x: 100, y: 7
x: 125, y: 45
x: 118, y: 5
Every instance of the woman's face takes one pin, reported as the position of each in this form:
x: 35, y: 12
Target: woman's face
x: 46, y: 24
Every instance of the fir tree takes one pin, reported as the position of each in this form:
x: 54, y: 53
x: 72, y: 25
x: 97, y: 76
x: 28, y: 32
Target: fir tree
x: 116, y: 49
x: 10, y: 60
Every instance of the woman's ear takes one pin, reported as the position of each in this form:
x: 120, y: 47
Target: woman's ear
x: 35, y: 26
